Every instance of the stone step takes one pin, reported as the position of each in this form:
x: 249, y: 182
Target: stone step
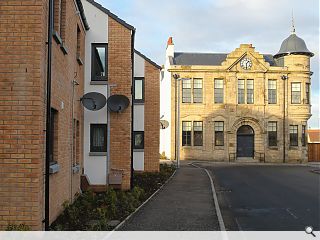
x: 246, y: 160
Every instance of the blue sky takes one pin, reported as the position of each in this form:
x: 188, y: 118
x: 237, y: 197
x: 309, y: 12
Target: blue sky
x: 220, y: 26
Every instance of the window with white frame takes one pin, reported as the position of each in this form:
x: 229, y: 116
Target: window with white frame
x: 296, y: 93
x: 272, y: 133
x: 197, y: 90
x: 186, y: 133
x: 219, y: 133
x: 218, y: 91
x: 293, y: 135
x: 186, y: 91
x: 197, y: 133
x: 250, y: 91
x: 272, y: 91
x: 241, y: 91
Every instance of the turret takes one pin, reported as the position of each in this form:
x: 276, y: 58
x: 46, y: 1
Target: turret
x: 294, y: 53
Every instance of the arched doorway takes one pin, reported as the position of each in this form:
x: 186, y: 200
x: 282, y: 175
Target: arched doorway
x: 245, y: 141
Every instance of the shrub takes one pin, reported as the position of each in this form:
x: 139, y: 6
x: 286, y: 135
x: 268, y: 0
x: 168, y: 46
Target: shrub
x: 92, y: 211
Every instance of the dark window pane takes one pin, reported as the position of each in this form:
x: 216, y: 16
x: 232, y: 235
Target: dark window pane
x: 197, y: 133
x: 53, y: 153
x: 307, y: 93
x: 99, y: 62
x: 293, y: 135
x: 186, y: 133
x: 138, y: 140
x: 219, y: 141
x: 272, y: 133
x: 304, y: 136
x: 98, y: 138
x: 219, y: 133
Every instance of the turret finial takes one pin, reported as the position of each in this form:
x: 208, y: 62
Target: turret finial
x: 293, y: 26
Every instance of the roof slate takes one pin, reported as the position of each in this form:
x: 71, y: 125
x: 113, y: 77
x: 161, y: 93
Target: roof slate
x: 209, y: 59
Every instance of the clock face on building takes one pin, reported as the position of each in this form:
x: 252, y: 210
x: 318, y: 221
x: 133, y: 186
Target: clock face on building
x: 246, y: 63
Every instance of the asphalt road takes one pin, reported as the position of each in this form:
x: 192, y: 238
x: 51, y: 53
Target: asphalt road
x: 265, y: 198
x: 184, y: 204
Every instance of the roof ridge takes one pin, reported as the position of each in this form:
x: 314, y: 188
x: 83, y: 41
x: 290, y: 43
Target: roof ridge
x: 147, y: 59
x: 112, y: 15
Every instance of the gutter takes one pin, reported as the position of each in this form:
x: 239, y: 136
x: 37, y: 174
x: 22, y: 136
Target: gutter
x: 132, y: 109
x: 48, y: 118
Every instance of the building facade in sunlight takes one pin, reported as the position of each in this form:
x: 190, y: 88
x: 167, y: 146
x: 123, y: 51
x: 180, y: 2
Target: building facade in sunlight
x: 238, y: 106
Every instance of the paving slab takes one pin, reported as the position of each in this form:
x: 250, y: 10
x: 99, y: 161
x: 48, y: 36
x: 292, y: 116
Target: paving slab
x: 184, y: 204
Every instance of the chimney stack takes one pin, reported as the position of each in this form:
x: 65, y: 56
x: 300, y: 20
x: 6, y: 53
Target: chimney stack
x: 170, y: 48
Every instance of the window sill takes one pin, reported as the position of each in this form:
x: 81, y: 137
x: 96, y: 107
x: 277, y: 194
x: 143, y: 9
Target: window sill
x: 294, y: 148
x: 97, y: 154
x: 64, y: 49
x: 218, y: 147
x: 273, y: 148
x: 57, y: 37
x: 79, y: 60
x: 101, y: 82
x: 138, y: 150
x: 138, y: 103
x: 54, y: 168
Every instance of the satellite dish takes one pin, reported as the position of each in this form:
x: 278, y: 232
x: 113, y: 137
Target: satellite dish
x: 164, y: 124
x: 93, y: 101
x: 118, y: 103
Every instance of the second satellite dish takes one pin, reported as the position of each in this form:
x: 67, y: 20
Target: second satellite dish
x: 118, y: 103
x: 164, y: 124
x: 93, y: 101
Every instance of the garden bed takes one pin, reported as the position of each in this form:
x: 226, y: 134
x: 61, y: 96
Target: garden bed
x: 103, y: 211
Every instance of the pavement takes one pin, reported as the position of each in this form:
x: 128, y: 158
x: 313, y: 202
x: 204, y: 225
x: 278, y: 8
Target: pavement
x: 267, y: 197
x: 184, y: 204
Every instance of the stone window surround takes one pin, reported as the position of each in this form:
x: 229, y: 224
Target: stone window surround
x: 192, y: 88
x: 192, y: 134
x: 245, y: 89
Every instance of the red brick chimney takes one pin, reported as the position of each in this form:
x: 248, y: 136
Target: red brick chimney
x: 170, y: 41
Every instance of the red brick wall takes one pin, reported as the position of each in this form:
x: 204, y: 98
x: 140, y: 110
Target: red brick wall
x: 120, y: 73
x: 152, y: 118
x: 23, y: 31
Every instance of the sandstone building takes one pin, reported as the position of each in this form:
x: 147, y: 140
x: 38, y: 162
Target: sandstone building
x: 243, y: 105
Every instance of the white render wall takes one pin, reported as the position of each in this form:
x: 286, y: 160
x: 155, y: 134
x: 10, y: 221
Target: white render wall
x: 138, y: 115
x: 94, y: 166
x: 165, y: 104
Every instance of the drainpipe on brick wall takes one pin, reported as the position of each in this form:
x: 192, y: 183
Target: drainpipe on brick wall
x: 284, y: 78
x: 132, y: 113
x: 48, y: 117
